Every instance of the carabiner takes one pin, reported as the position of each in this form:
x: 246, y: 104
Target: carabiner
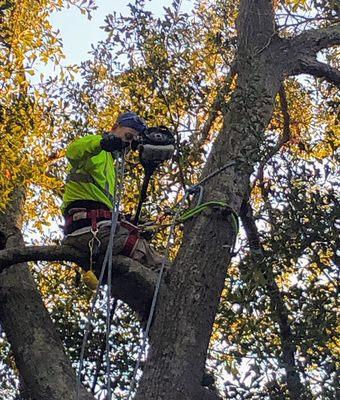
x: 194, y: 190
x: 94, y: 244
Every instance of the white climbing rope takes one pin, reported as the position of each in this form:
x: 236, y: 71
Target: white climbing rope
x: 106, y: 262
x: 155, y: 295
x: 188, y: 191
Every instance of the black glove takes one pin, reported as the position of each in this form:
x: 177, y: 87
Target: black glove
x: 135, y: 144
x: 111, y: 142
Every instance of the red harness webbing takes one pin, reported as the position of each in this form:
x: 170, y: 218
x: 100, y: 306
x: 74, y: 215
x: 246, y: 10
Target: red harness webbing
x: 131, y: 240
x: 93, y: 215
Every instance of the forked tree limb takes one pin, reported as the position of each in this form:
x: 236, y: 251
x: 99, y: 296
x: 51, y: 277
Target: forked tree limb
x: 133, y: 283
x: 315, y: 40
x: 299, y: 54
x: 319, y: 69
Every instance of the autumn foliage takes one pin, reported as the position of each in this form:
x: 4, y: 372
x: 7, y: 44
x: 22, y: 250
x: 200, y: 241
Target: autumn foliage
x: 277, y: 311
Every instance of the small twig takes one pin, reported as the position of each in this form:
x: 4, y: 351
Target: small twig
x: 286, y: 134
x: 267, y: 44
x: 216, y: 106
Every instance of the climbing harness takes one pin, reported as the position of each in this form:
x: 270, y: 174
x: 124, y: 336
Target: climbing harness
x: 149, y: 166
x: 107, y: 262
x: 89, y: 278
x: 92, y: 215
x: 198, y: 188
x: 131, y: 241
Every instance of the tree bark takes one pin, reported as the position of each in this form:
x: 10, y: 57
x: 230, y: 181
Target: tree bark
x: 186, y: 312
x: 45, y: 370
x: 187, y: 304
x: 277, y: 305
x: 319, y: 69
x: 299, y: 54
x: 132, y: 282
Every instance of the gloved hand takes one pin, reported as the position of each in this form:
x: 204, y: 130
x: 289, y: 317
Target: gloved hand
x: 151, y: 152
x: 135, y: 144
x: 111, y: 142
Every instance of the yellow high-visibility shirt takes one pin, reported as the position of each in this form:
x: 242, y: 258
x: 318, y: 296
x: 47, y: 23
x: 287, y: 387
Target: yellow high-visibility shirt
x: 91, y: 172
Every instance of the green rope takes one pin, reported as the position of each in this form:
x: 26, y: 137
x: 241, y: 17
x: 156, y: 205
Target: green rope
x: 193, y: 212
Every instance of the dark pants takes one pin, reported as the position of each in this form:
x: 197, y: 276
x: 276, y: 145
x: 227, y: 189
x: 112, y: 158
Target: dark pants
x: 142, y: 251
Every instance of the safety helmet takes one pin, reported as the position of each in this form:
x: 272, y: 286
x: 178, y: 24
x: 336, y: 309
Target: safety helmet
x: 132, y: 120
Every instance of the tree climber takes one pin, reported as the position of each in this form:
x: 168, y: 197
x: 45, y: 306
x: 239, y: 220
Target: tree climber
x: 90, y: 185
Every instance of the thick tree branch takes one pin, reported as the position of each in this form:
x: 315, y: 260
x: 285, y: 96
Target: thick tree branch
x: 314, y: 40
x: 298, y: 55
x: 133, y: 283
x: 17, y: 255
x: 177, y: 356
x: 278, y: 307
x: 45, y: 371
x: 256, y: 21
x: 248, y: 223
x: 318, y: 69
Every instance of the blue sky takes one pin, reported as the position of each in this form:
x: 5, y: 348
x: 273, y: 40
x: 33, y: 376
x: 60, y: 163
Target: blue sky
x: 78, y: 33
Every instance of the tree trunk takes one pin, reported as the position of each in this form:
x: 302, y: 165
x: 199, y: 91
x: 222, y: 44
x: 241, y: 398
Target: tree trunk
x: 188, y: 301
x: 45, y: 370
x: 186, y: 312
